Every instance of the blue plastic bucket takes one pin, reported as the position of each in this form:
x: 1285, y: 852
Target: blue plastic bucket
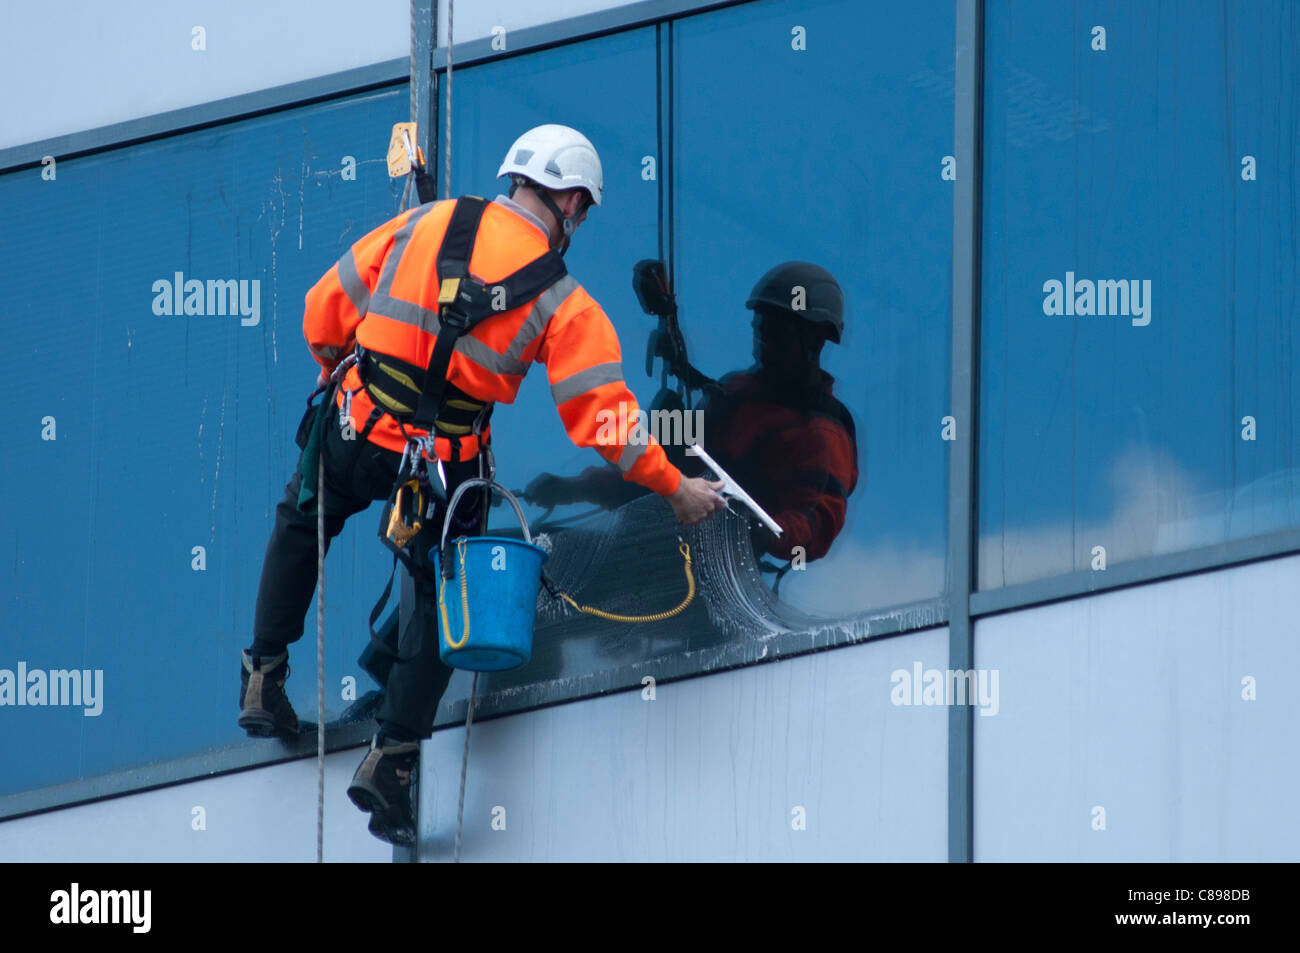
x: 488, y: 604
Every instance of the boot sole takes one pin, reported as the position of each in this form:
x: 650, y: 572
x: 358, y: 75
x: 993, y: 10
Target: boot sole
x: 368, y: 799
x: 386, y: 822
x: 397, y: 836
x: 259, y: 723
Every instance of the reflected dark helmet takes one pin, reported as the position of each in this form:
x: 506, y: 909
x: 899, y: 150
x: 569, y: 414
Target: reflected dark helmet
x: 822, y: 298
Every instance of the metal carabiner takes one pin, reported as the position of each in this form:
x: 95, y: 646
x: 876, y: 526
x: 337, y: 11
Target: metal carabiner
x: 408, y: 455
x: 342, y: 367
x: 345, y: 412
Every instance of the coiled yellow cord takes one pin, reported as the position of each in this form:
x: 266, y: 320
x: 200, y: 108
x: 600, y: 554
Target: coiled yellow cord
x: 685, y: 550
x: 464, y: 602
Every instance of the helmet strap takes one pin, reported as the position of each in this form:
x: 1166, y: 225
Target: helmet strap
x: 566, y: 224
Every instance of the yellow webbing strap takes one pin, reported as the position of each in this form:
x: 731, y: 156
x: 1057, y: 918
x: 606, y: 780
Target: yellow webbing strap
x: 389, y: 401
x: 457, y: 429
x: 394, y: 373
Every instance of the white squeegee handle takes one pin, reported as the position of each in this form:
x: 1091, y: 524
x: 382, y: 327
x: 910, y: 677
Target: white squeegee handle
x: 733, y: 489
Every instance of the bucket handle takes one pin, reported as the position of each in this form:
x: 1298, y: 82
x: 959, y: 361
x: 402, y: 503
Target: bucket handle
x: 491, y: 485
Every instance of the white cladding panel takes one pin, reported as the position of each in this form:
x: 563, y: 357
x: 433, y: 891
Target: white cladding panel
x: 80, y: 64
x: 266, y: 814
x: 1134, y: 708
x: 715, y: 768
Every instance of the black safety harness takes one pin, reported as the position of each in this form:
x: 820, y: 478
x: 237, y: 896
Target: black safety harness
x: 423, y: 397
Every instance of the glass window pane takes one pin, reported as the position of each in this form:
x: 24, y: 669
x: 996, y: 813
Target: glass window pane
x: 783, y: 173
x: 800, y: 139
x: 1139, y: 331
x: 146, y: 450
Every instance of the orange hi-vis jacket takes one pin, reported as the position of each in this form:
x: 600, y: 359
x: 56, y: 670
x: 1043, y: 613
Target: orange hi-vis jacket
x: 383, y: 295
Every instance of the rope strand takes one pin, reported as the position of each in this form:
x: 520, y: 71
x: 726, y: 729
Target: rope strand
x: 469, y: 715
x: 320, y: 660
x: 446, y: 179
x: 464, y: 765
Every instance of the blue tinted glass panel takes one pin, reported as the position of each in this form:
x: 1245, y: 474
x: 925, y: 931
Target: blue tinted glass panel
x: 817, y: 132
x: 145, y: 452
x: 1138, y: 338
x: 725, y: 194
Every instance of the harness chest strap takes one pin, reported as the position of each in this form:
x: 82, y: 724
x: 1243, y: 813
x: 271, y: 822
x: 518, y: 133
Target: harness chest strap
x: 422, y: 396
x: 463, y: 302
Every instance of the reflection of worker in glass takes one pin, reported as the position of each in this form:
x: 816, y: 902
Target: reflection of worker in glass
x: 776, y: 427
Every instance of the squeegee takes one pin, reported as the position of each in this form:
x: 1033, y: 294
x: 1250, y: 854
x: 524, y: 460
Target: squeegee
x: 733, y: 489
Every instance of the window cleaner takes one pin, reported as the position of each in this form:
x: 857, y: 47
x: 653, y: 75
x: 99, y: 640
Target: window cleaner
x: 436, y: 349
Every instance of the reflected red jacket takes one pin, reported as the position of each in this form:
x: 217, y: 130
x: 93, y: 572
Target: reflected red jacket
x: 793, y: 449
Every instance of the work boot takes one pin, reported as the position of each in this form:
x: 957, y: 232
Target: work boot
x: 264, y: 709
x: 382, y: 786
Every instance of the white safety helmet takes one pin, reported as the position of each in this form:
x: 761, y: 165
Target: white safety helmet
x: 556, y: 157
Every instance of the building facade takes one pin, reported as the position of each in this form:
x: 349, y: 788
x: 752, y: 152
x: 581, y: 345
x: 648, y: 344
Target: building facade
x: 1055, y: 615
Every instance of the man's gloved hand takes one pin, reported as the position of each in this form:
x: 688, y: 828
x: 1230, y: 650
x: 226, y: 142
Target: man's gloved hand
x: 323, y: 378
x: 549, y: 490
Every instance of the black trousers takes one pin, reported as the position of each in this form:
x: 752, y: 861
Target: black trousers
x: 357, y: 472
